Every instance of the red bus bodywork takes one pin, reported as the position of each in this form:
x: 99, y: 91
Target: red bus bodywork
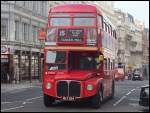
x: 119, y: 75
x: 100, y: 79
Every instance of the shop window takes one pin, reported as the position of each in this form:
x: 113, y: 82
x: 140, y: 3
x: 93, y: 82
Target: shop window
x: 34, y: 67
x: 25, y: 67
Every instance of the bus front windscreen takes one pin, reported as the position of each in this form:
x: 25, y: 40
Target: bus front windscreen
x: 56, y: 60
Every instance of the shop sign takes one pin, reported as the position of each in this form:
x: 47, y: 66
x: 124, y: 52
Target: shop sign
x: 4, y: 49
x: 70, y: 35
x: 4, y: 56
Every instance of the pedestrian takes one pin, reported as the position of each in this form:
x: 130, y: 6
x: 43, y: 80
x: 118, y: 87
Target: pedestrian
x: 8, y: 78
x: 16, y: 74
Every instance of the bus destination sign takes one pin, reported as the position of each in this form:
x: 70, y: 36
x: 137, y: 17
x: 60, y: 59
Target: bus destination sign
x: 70, y: 35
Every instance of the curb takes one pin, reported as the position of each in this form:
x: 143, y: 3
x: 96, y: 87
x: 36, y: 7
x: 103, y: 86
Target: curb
x: 10, y: 87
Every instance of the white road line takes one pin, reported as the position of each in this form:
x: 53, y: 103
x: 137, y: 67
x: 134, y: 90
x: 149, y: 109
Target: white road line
x: 128, y: 93
x: 12, y: 108
x: 123, y: 97
x: 22, y: 101
x: 119, y: 100
x: 5, y: 102
x: 33, y: 98
x: 134, y: 104
x: 10, y: 102
x: 133, y: 99
x: 132, y: 89
x: 26, y: 102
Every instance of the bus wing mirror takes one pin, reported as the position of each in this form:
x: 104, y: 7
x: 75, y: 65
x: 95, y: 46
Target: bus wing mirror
x: 101, y: 58
x: 42, y: 33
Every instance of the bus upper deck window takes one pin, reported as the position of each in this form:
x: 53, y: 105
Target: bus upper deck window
x: 60, y: 21
x: 84, y: 21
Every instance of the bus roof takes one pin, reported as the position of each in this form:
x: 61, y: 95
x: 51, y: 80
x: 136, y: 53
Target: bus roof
x: 74, y: 8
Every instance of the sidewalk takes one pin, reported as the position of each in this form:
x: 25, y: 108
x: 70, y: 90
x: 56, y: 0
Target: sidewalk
x: 10, y: 87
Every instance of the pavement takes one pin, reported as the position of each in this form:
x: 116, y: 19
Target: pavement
x: 10, y: 87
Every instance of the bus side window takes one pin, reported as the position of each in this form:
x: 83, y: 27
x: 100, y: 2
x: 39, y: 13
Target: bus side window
x: 108, y: 66
x: 111, y: 66
x: 100, y: 21
x: 105, y: 66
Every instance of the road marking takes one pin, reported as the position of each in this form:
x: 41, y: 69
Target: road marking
x: 132, y: 89
x: 119, y: 100
x: 134, y: 104
x: 5, y: 102
x: 26, y: 102
x: 22, y: 101
x: 10, y: 102
x: 33, y: 98
x: 128, y: 93
x: 12, y: 108
x: 133, y: 99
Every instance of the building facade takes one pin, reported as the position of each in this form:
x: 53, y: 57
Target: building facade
x: 21, y: 51
x: 145, y: 46
x: 129, y: 33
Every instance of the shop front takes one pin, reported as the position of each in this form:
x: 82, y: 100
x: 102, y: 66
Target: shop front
x: 5, y: 78
x: 19, y: 65
x: 28, y: 63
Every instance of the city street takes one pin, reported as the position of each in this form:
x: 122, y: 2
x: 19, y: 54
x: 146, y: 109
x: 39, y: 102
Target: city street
x: 30, y: 99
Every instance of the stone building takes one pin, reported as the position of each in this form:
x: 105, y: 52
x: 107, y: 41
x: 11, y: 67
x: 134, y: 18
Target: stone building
x: 145, y: 46
x: 137, y: 51
x: 20, y: 47
x: 129, y: 33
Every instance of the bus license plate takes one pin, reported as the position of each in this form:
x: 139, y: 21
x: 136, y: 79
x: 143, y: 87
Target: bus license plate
x: 68, y: 98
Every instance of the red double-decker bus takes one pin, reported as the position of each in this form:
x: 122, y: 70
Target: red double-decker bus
x: 79, y: 55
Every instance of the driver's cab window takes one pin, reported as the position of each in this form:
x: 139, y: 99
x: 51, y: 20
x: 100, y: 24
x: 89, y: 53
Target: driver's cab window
x: 83, y: 61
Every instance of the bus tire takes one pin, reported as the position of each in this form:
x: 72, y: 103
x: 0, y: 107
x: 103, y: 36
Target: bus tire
x: 97, y: 99
x: 112, y: 90
x: 48, y: 100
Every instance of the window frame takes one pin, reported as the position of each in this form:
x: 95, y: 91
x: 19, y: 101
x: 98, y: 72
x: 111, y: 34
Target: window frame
x: 65, y: 62
x: 94, y: 21
x: 17, y: 26
x: 50, y: 21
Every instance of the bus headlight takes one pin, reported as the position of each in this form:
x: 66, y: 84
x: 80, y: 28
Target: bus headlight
x: 48, y: 85
x: 89, y: 87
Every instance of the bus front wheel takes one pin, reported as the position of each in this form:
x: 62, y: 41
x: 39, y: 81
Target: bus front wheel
x: 48, y: 100
x: 97, y: 99
x: 112, y: 89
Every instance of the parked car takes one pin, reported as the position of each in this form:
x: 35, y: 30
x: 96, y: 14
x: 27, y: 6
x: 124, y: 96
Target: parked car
x: 137, y: 75
x: 144, y: 96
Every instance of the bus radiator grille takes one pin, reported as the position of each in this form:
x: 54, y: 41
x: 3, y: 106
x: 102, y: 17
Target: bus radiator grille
x: 68, y: 88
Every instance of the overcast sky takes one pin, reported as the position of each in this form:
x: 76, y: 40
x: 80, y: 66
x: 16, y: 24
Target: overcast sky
x: 138, y: 9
